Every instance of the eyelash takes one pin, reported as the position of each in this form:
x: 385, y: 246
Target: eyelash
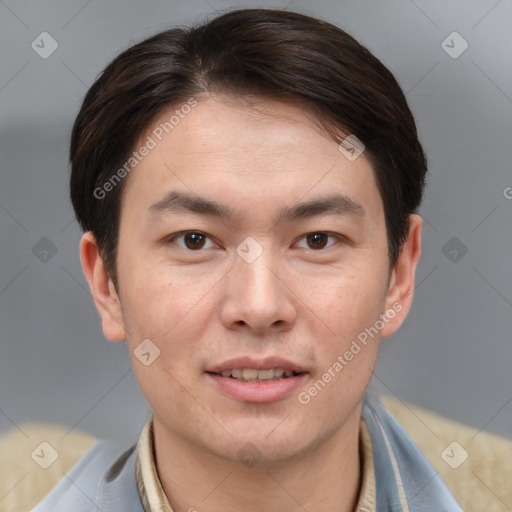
x: 180, y: 234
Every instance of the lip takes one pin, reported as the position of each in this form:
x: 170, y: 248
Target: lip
x: 262, y: 364
x: 269, y: 391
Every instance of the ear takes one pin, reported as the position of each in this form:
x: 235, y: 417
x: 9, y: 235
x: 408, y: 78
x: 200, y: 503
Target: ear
x: 401, y: 285
x: 102, y: 288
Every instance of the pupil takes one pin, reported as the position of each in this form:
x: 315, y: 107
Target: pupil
x: 316, y: 238
x: 195, y: 239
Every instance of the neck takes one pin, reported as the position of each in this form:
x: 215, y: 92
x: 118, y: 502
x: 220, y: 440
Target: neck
x: 323, y: 478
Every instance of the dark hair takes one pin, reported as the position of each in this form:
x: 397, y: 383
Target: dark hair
x: 271, y: 53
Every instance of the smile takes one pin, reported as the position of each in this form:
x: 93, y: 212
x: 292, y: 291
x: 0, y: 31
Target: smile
x: 252, y: 375
x: 250, y: 385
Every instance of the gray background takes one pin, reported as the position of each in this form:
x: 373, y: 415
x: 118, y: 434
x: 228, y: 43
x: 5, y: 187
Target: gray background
x: 452, y: 355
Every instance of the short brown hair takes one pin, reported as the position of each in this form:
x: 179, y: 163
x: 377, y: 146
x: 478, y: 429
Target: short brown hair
x: 280, y: 54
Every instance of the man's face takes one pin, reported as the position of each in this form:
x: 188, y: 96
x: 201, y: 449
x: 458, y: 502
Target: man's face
x: 208, y: 289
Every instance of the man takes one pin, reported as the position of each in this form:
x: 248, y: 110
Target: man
x: 249, y: 191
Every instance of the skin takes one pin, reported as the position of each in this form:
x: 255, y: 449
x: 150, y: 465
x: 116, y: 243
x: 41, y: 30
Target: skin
x: 207, y: 305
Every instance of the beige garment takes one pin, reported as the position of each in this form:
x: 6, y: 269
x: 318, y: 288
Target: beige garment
x: 483, y: 481
x: 24, y: 480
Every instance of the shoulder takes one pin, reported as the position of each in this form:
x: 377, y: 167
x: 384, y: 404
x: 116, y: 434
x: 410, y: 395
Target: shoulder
x: 474, y: 465
x: 46, y: 468
x: 34, y: 459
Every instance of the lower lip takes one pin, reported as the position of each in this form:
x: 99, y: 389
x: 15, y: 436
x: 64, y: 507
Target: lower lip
x: 270, y: 391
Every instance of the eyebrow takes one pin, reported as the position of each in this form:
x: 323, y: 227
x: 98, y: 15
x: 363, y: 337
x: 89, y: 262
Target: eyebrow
x: 180, y: 202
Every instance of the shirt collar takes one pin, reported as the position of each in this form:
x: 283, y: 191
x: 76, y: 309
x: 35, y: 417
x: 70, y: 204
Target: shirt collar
x: 148, y: 483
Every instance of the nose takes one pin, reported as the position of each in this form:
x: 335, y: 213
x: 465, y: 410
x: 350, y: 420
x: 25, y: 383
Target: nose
x: 258, y: 295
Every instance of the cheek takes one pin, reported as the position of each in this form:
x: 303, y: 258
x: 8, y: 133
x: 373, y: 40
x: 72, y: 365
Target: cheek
x: 349, y: 352
x: 172, y: 309
x: 353, y: 303
x: 150, y: 299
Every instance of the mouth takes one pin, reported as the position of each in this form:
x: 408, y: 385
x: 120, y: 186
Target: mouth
x: 254, y: 375
x: 247, y: 379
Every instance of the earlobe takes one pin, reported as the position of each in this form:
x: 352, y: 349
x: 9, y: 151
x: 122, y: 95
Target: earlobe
x: 102, y: 288
x: 401, y: 286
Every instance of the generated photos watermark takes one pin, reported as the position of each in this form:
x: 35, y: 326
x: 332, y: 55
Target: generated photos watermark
x: 157, y: 135
x: 355, y: 348
x: 351, y: 147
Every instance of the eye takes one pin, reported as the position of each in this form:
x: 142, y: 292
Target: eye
x: 196, y: 240
x: 318, y: 239
x: 193, y: 240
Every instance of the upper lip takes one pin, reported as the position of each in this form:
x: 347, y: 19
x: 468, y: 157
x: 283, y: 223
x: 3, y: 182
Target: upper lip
x: 256, y: 364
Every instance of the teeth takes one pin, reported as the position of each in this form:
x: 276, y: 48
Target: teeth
x: 250, y: 374
x: 263, y: 374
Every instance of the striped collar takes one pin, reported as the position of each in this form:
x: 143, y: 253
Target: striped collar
x: 395, y: 475
x: 149, y: 486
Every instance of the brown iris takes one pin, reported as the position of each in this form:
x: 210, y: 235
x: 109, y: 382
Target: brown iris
x: 318, y: 240
x: 194, y: 240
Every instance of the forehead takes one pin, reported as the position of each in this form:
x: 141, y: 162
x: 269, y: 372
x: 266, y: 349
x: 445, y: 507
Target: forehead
x: 254, y: 153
